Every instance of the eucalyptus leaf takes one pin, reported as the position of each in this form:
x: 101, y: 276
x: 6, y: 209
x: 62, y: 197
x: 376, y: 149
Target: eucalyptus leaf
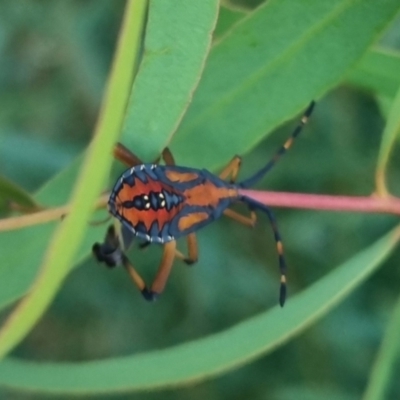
x: 207, y: 357
x: 378, y: 71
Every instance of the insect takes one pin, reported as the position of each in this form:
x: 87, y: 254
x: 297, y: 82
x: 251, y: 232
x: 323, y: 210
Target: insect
x: 162, y: 203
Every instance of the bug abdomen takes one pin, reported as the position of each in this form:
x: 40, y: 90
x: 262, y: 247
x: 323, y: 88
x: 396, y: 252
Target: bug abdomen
x: 161, y: 203
x: 145, y: 204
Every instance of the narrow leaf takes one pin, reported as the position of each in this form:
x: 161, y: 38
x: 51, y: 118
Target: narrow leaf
x: 175, y: 49
x: 207, y: 357
x: 269, y: 66
x: 168, y: 75
x: 390, y: 133
x: 302, y: 48
x: 70, y: 233
x: 389, y: 352
x: 12, y: 193
x: 378, y: 71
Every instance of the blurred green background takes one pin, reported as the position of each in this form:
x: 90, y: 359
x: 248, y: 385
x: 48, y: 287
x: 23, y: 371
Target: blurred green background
x: 55, y: 57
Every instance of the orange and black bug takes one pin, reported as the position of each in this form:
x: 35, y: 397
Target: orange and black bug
x: 161, y: 203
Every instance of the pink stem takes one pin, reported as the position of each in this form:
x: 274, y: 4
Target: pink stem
x: 370, y: 204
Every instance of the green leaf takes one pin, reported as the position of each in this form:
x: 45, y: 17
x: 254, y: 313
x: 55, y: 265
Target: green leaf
x: 23, y: 252
x: 177, y: 43
x: 268, y: 67
x: 9, y: 191
x: 388, y: 354
x: 24, y: 248
x: 384, y: 104
x: 261, y: 73
x: 207, y: 357
x: 378, y: 71
x: 15, y: 283
x: 152, y: 70
x: 390, y: 133
x: 226, y: 19
x: 70, y: 233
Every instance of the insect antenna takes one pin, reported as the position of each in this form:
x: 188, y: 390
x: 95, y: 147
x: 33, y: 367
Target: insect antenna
x: 282, y: 150
x: 255, y: 205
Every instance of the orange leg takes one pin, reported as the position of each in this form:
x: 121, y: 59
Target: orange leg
x: 249, y: 221
x: 232, y: 169
x: 134, y: 275
x: 110, y: 252
x: 192, y: 250
x: 168, y: 157
x: 164, y: 269
x: 162, y: 275
x: 124, y: 155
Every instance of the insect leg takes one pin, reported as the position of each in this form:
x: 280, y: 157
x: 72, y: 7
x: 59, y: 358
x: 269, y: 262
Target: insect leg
x: 111, y: 254
x: 192, y: 250
x: 249, y: 221
x: 124, y: 155
x: 159, y: 282
x: 282, y: 150
x: 135, y: 277
x: 232, y: 169
x: 254, y: 205
x: 163, y: 272
x: 168, y: 157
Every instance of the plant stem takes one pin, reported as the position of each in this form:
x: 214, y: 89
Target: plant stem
x: 367, y: 204
x: 43, y: 216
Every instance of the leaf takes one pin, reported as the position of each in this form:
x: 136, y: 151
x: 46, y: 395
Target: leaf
x: 268, y: 67
x: 152, y: 73
x: 389, y: 351
x: 207, y: 357
x: 384, y: 104
x: 24, y: 248
x: 57, y: 263
x: 175, y: 49
x: 226, y: 19
x: 390, y: 133
x: 70, y: 233
x: 280, y: 62
x: 378, y: 71
x: 10, y: 192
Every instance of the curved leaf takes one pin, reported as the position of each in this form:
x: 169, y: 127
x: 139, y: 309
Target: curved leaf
x: 390, y: 133
x: 378, y: 71
x: 269, y: 66
x: 155, y: 87
x: 268, y: 36
x: 70, y: 233
x: 177, y: 42
x: 9, y: 191
x: 207, y: 357
x: 386, y: 359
